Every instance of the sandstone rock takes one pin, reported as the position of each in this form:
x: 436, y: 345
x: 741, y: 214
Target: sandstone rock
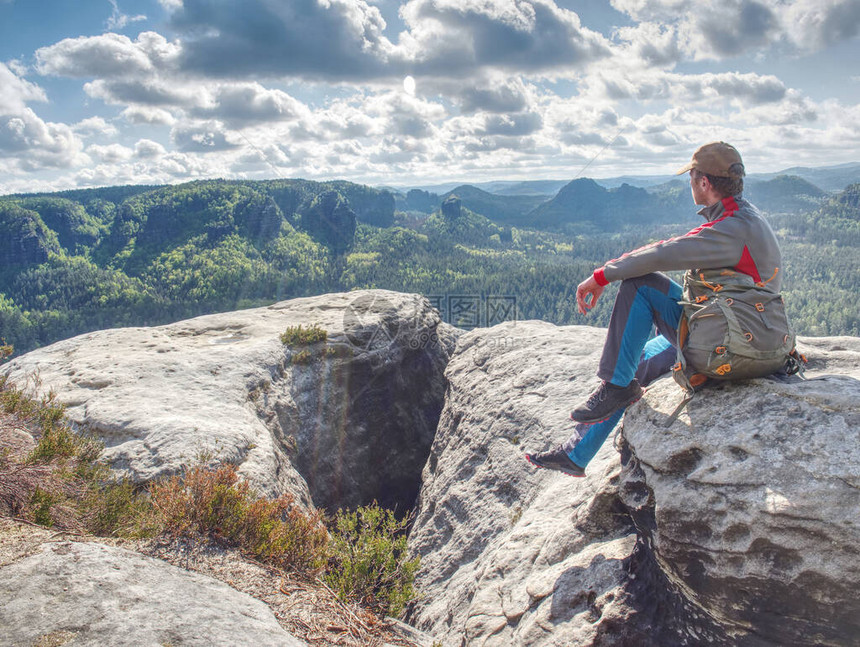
x: 356, y: 415
x: 452, y: 207
x: 512, y: 555
x: 750, y: 501
x: 735, y: 526
x: 92, y: 594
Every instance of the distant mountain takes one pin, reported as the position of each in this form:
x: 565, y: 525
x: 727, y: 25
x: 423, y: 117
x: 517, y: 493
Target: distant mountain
x: 642, y: 181
x: 417, y: 200
x: 784, y: 193
x: 585, y: 206
x: 510, y: 210
x: 546, y: 188
x: 826, y: 178
x: 459, y: 224
x: 846, y: 205
x: 830, y: 178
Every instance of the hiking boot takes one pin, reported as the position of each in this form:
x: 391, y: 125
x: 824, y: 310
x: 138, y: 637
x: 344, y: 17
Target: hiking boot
x: 605, y: 401
x: 556, y: 459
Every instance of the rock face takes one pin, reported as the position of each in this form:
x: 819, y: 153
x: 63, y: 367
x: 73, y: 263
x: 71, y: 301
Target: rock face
x: 91, y: 594
x: 24, y: 238
x: 330, y: 220
x: 512, y: 555
x: 749, y: 501
x: 734, y: 526
x: 452, y: 207
x: 343, y: 422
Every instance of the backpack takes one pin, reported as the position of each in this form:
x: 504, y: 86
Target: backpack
x: 732, y: 328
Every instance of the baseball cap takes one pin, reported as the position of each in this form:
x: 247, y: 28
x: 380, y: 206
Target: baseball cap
x: 715, y: 159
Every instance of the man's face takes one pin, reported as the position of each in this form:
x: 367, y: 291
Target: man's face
x: 697, y: 187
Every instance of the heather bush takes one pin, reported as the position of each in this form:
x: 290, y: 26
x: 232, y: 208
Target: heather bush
x: 215, y: 502
x: 62, y: 483
x: 368, y: 561
x: 303, y: 336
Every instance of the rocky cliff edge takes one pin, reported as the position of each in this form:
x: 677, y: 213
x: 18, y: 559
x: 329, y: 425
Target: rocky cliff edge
x: 733, y: 525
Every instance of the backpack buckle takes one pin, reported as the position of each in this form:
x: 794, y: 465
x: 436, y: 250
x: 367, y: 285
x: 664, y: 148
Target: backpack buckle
x: 723, y: 369
x: 759, y: 307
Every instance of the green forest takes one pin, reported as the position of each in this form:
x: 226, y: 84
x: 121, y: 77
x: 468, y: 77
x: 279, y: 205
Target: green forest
x: 77, y: 261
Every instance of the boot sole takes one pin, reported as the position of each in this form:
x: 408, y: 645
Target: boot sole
x: 594, y: 422
x: 556, y: 469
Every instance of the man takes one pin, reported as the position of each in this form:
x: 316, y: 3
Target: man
x: 734, y: 236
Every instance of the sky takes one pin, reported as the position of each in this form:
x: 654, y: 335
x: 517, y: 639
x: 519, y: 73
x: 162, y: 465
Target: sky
x: 413, y: 92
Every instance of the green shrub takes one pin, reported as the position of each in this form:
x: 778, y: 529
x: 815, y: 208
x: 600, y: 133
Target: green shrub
x: 368, y: 562
x: 301, y: 336
x: 41, y: 503
x: 62, y: 483
x: 58, y: 442
x: 214, y: 502
x: 119, y: 508
x: 302, y: 357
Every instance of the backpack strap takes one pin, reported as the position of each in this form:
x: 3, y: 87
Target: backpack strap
x: 688, y: 395
x: 796, y: 364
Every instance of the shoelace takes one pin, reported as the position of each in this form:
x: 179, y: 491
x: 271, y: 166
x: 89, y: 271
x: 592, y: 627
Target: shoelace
x: 597, y: 396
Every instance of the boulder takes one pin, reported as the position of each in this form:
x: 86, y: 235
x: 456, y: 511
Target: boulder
x: 733, y: 526
x: 342, y: 422
x: 92, y: 594
x: 512, y: 555
x: 748, y: 502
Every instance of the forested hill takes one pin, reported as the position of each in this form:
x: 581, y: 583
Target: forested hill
x: 82, y: 260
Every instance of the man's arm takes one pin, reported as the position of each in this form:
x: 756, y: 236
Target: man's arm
x: 715, y: 244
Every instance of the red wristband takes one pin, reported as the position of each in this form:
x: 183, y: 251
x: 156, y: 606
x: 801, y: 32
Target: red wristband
x: 600, y: 277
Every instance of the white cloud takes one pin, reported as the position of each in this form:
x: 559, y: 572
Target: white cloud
x: 148, y: 149
x: 728, y: 28
x: 146, y: 91
x: 148, y: 115
x: 25, y: 138
x: 17, y: 91
x: 650, y: 44
x: 110, y: 154
x: 455, y: 37
x: 793, y: 109
x: 241, y: 104
x: 106, y: 56
x: 495, y: 92
x: 202, y: 137
x: 721, y: 29
x: 95, y: 126
x: 118, y: 20
x: 815, y: 24
x: 305, y: 38
x: 37, y: 144
x: 716, y: 90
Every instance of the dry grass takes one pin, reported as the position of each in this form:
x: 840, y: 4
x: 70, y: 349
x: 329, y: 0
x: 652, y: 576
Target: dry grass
x: 214, y: 502
x: 51, y: 476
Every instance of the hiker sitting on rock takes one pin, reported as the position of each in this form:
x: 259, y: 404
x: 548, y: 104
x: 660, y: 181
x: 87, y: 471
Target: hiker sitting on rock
x: 728, y: 319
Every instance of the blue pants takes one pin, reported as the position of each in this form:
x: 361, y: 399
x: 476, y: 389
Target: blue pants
x: 642, y: 303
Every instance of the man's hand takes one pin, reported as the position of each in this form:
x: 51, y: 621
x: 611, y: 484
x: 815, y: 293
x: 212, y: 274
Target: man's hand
x: 589, y: 287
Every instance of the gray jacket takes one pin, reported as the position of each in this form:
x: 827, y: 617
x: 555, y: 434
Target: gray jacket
x: 734, y: 236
